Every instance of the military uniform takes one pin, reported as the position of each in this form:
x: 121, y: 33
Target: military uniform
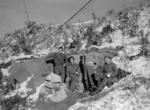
x: 101, y: 75
x: 59, y: 62
x: 109, y: 72
x: 91, y: 61
x: 73, y: 75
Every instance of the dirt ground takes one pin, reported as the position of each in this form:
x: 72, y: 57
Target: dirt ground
x: 63, y: 105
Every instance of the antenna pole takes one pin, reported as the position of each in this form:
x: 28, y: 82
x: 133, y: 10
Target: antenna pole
x: 26, y: 10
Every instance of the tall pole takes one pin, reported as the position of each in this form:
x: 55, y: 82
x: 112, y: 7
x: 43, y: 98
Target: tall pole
x: 26, y: 10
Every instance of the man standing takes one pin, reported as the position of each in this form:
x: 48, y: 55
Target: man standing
x: 60, y: 63
x: 90, y: 64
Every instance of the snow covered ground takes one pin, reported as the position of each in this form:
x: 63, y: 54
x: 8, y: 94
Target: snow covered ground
x: 131, y: 93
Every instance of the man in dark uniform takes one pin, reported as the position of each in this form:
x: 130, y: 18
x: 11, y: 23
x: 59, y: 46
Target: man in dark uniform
x: 73, y: 74
x: 60, y: 63
x: 108, y: 72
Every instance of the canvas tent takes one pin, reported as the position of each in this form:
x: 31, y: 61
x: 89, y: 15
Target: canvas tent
x: 50, y: 58
x: 20, y: 71
x: 97, y: 55
x: 77, y: 55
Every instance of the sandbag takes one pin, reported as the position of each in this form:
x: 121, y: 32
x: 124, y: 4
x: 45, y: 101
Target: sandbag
x: 51, y: 85
x: 53, y: 78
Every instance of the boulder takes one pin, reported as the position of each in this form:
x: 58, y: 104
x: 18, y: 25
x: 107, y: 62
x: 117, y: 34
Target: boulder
x: 133, y: 50
x: 60, y: 94
x: 53, y: 78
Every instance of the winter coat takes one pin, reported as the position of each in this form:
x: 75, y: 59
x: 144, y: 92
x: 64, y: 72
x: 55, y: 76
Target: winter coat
x: 91, y: 59
x: 73, y: 69
x: 110, y: 68
x: 99, y: 72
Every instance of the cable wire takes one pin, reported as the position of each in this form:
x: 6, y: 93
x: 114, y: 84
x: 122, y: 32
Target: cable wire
x: 85, y: 8
x: 72, y: 16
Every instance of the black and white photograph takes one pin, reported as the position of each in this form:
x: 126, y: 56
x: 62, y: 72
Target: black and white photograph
x: 74, y: 54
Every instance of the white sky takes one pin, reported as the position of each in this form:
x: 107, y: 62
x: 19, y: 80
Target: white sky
x: 12, y: 14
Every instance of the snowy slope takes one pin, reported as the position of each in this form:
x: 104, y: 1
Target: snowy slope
x: 132, y: 92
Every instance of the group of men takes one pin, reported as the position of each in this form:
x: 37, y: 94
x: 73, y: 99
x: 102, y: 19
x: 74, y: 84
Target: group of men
x: 93, y: 71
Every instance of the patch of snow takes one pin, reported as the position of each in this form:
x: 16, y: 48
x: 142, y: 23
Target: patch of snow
x: 131, y: 41
x: 22, y: 55
x: 22, y: 90
x: 23, y: 86
x: 118, y: 99
x: 140, y: 67
x: 132, y: 50
x: 35, y: 96
x: 99, y: 29
x: 5, y: 72
x: 83, y: 23
x: 43, y: 52
x: 117, y: 38
x: 122, y: 62
x: 83, y: 43
x: 69, y: 40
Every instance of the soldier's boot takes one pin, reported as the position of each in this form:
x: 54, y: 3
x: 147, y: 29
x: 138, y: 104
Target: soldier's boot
x: 92, y: 88
x: 98, y: 89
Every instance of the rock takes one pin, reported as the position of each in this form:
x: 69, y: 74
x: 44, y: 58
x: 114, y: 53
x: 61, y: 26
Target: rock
x: 59, y: 95
x: 52, y: 84
x: 139, y: 67
x: 141, y: 90
x: 131, y: 41
x: 133, y: 50
x: 43, y: 90
x: 53, y: 78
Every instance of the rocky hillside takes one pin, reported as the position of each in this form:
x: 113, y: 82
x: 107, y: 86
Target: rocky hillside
x: 131, y: 31
x: 113, y: 27
x: 127, y: 31
x: 33, y: 38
